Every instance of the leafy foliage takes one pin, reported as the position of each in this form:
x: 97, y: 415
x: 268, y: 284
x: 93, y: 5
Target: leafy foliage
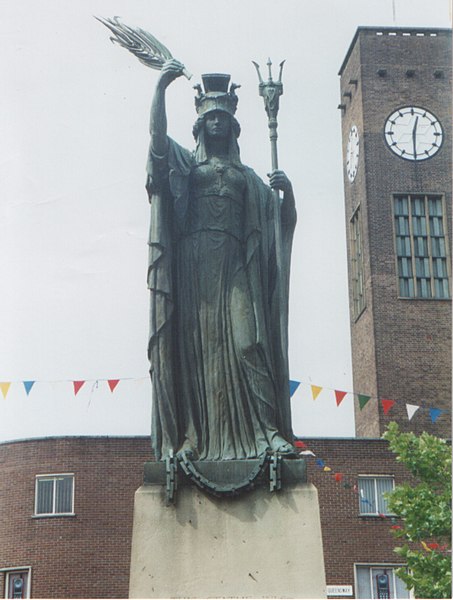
x: 425, y: 510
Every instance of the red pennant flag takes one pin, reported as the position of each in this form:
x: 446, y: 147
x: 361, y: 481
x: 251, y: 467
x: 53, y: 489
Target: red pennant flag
x: 113, y: 383
x: 300, y: 444
x: 396, y: 527
x: 338, y: 476
x: 433, y: 546
x: 77, y: 386
x: 387, y: 405
x: 339, y: 396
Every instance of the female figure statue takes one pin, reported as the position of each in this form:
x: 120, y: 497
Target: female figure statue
x: 220, y: 377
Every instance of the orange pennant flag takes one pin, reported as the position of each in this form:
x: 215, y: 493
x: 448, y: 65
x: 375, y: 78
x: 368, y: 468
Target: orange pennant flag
x: 339, y: 396
x: 387, y: 405
x: 77, y: 386
x: 315, y: 391
x: 113, y: 383
x: 4, y: 386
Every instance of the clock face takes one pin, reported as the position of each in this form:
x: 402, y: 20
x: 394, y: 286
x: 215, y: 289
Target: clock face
x: 352, y: 153
x: 413, y: 133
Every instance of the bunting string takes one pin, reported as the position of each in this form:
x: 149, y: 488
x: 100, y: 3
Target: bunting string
x: 316, y: 391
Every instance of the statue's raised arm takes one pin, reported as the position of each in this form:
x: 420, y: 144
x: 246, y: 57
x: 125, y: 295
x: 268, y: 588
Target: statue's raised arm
x: 171, y: 70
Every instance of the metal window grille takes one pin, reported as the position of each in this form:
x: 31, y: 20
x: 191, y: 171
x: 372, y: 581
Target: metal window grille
x: 54, y: 494
x: 421, y: 246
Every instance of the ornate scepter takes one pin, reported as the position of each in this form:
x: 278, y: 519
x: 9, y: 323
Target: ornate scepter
x: 271, y: 91
x: 142, y: 44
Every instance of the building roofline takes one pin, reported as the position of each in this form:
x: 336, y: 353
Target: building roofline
x: 74, y: 437
x: 387, y: 29
x: 313, y: 438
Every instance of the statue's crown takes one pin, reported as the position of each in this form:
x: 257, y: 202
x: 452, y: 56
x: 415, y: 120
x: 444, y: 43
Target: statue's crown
x: 216, y: 95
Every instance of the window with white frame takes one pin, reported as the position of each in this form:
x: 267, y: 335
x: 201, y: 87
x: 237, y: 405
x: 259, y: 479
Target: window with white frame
x: 54, y: 495
x: 17, y: 583
x: 372, y: 490
x: 421, y: 246
x: 379, y: 581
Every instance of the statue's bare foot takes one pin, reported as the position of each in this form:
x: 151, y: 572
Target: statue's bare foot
x: 280, y: 445
x: 187, y: 450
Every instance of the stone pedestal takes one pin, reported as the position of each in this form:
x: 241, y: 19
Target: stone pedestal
x: 257, y: 545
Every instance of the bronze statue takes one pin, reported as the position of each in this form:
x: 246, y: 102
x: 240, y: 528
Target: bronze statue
x: 219, y: 256
x: 220, y: 377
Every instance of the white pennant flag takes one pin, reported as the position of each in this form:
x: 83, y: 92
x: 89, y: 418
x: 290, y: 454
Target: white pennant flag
x: 411, y: 410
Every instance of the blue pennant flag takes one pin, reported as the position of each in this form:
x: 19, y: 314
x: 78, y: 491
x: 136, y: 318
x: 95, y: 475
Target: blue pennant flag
x: 28, y: 385
x: 320, y: 463
x: 435, y: 413
x: 293, y: 385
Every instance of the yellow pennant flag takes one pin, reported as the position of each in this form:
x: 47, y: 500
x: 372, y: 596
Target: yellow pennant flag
x: 315, y: 391
x: 327, y: 469
x: 4, y: 386
x: 425, y: 546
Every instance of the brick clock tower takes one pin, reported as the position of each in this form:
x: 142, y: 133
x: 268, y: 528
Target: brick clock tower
x: 396, y: 105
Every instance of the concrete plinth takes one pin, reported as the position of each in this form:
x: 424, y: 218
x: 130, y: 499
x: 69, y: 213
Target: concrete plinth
x: 257, y: 545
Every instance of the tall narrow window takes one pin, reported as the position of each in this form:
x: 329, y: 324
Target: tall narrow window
x: 54, y: 495
x: 358, y: 291
x: 421, y: 246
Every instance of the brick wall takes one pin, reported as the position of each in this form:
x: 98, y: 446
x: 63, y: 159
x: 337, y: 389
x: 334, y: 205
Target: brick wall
x: 87, y: 556
x: 349, y: 538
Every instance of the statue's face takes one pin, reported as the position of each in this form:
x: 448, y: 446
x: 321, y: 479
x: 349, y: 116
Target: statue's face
x: 217, y: 124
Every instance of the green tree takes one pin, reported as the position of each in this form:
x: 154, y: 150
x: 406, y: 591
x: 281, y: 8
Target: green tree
x: 425, y: 510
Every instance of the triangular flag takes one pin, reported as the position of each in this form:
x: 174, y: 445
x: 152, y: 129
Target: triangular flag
x: 339, y: 396
x: 4, y: 386
x: 327, y: 469
x: 425, y: 546
x: 387, y: 405
x: 347, y: 486
x: 28, y: 385
x: 320, y: 462
x: 363, y: 400
x: 435, y: 413
x: 300, y: 444
x: 293, y: 385
x: 315, y: 391
x: 77, y: 386
x: 307, y: 453
x: 338, y: 476
x: 411, y: 410
x: 113, y: 383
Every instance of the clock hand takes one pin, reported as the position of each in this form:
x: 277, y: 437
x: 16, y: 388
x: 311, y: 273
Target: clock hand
x: 414, y: 137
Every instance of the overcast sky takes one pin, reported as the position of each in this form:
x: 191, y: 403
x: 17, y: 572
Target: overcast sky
x: 74, y: 215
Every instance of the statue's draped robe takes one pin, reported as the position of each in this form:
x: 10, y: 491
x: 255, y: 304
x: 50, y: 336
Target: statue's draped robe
x: 218, y: 318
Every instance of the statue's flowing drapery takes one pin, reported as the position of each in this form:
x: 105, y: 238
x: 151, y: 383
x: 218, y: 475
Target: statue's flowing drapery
x: 220, y: 379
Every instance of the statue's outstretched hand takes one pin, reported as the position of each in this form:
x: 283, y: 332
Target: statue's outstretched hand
x: 171, y: 70
x: 278, y: 180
